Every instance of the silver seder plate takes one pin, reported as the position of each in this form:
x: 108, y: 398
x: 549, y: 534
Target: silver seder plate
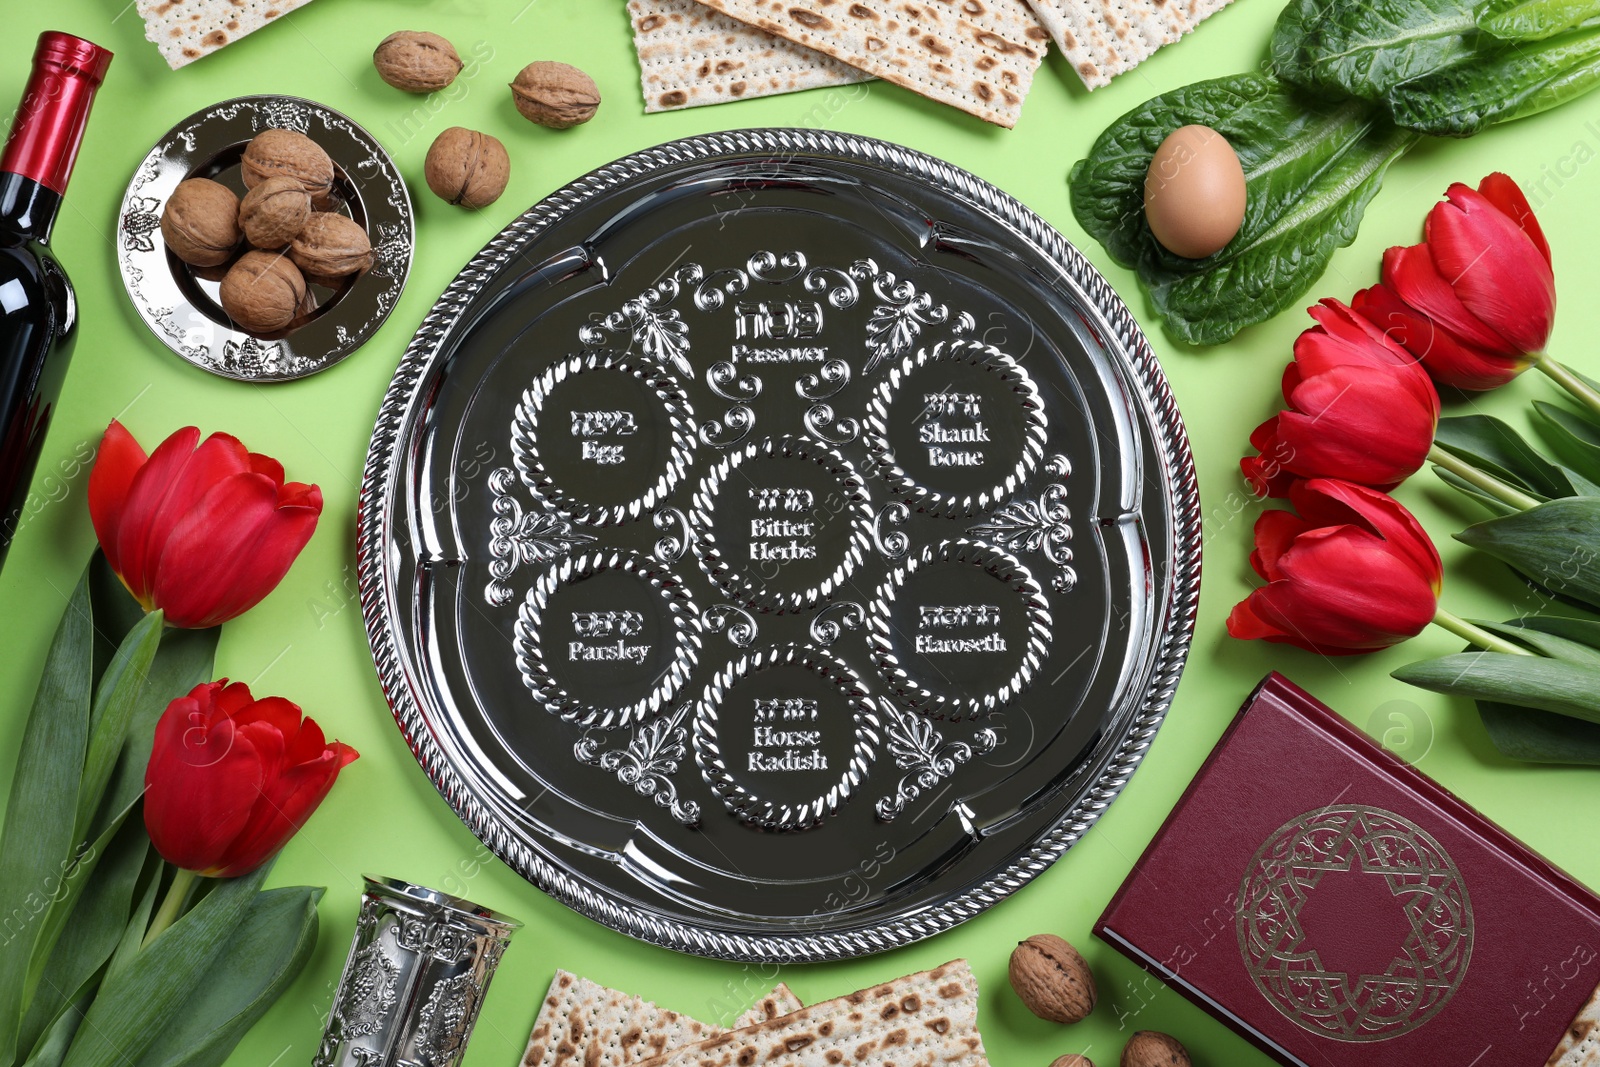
x: 779, y: 545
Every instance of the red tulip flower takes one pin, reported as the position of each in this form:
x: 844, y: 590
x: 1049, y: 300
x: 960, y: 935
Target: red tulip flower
x: 231, y: 779
x: 203, y: 533
x: 1476, y: 300
x: 1353, y: 572
x: 1360, y: 409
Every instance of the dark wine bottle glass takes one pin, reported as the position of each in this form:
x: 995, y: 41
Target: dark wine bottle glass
x: 38, y: 312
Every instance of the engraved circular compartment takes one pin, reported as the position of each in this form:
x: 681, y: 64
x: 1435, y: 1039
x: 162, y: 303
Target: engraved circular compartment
x: 956, y: 428
x: 602, y: 438
x: 179, y: 303
x: 959, y: 630
x: 784, y: 735
x: 787, y: 507
x: 622, y: 630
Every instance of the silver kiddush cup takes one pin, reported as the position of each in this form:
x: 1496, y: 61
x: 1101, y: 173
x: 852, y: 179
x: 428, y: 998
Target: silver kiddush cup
x: 416, y: 976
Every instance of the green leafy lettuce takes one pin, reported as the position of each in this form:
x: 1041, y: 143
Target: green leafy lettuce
x: 1310, y: 168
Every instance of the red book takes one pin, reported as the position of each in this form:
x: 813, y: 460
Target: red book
x: 1338, y: 908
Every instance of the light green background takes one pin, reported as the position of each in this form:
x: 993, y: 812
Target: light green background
x: 306, y: 642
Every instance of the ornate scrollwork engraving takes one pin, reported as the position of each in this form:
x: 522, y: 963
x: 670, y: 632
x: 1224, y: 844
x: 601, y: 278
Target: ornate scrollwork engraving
x: 825, y: 381
x: 522, y: 538
x: 922, y: 752
x: 833, y: 620
x: 650, y: 322
x: 1037, y: 525
x: 647, y: 762
x: 730, y: 619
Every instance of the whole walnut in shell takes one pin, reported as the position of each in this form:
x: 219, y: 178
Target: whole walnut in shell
x: 263, y: 292
x: 1052, y: 979
x: 417, y: 61
x: 1072, y: 1060
x: 201, y: 222
x: 331, y: 247
x: 1151, y: 1048
x: 273, y: 212
x: 467, y: 167
x: 285, y: 153
x: 556, y: 95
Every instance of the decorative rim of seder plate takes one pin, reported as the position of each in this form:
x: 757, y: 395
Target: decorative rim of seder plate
x: 424, y: 574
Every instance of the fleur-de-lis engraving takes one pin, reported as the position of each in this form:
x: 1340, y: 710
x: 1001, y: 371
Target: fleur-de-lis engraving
x: 897, y: 321
x: 654, y: 325
x: 922, y: 752
x: 651, y: 756
x: 520, y: 538
x: 1038, y: 525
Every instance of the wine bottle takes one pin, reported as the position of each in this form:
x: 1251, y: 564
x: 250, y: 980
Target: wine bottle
x: 38, y: 312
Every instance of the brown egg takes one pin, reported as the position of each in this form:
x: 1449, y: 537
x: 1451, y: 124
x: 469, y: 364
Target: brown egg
x: 1194, y: 195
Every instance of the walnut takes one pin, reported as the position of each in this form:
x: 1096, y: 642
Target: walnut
x: 555, y: 94
x: 1052, y: 979
x: 416, y: 61
x: 263, y: 293
x: 467, y: 167
x: 201, y: 222
x: 273, y: 212
x: 1149, y: 1048
x: 285, y: 153
x: 1072, y: 1060
x: 330, y: 248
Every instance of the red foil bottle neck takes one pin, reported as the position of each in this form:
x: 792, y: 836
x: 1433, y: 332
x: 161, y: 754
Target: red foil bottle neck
x: 49, y: 123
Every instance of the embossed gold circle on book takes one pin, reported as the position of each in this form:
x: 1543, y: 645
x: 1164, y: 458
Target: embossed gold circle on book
x: 781, y: 523
x: 602, y: 437
x: 784, y: 735
x: 956, y: 428
x: 1311, y: 973
x: 959, y: 630
x: 605, y: 639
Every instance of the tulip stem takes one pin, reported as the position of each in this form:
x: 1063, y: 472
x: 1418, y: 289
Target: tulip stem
x: 1477, y: 634
x: 171, y: 905
x: 1569, y: 381
x: 1506, y: 494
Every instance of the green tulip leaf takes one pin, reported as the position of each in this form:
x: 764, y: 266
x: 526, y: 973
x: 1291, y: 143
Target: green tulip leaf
x: 1534, y: 20
x: 133, y: 934
x: 37, y: 839
x: 153, y: 991
x: 1573, y: 438
x: 116, y: 699
x: 115, y: 611
x: 1495, y: 448
x: 53, y: 1048
x: 267, y: 951
x: 1535, y: 736
x: 1556, y: 545
x: 1310, y: 168
x: 93, y: 927
x: 1550, y: 645
x: 1581, y: 486
x: 1363, y: 48
x: 1528, y: 681
x: 1466, y: 488
x: 1583, y: 631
